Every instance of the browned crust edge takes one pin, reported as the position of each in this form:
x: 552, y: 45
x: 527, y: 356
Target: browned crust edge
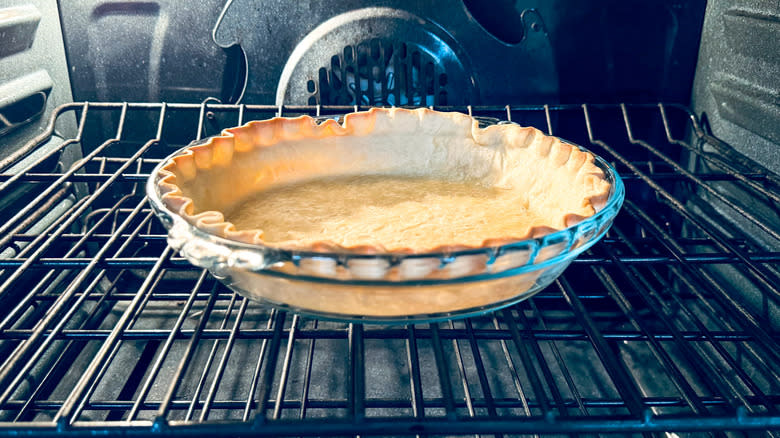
x: 219, y: 150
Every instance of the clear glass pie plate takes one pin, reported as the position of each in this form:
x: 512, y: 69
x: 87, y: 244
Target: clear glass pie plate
x: 388, y: 288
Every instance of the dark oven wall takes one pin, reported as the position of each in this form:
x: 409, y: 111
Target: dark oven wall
x: 738, y: 78
x: 142, y: 51
x: 323, y: 51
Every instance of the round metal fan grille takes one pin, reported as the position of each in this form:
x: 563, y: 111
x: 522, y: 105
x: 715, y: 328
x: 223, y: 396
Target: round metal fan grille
x: 380, y: 72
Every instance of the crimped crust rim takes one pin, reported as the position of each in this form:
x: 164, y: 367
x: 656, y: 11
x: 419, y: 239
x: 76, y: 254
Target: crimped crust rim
x: 213, y: 152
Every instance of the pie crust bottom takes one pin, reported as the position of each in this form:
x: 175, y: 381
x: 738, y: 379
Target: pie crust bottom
x: 384, y: 211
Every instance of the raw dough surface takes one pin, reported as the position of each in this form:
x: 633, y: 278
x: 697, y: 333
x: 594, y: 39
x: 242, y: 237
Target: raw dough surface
x: 389, y: 211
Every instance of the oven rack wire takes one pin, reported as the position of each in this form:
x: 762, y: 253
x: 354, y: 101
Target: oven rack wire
x: 669, y: 324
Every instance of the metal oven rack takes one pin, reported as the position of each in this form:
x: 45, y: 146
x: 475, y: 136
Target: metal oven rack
x: 669, y: 324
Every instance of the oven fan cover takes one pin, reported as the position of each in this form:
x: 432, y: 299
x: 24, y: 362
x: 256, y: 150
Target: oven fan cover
x: 399, y: 53
x: 336, y: 64
x: 381, y: 72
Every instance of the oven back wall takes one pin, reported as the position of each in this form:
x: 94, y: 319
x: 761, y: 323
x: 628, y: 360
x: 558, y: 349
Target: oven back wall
x: 162, y: 50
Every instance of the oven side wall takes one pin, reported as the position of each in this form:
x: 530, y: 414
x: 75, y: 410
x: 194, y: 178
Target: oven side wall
x: 737, y: 84
x: 737, y: 95
x: 34, y: 77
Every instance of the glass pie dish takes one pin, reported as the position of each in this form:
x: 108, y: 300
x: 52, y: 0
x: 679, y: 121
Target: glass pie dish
x: 387, y: 287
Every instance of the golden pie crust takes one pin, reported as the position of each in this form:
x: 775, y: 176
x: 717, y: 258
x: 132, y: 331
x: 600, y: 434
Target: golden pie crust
x: 552, y: 184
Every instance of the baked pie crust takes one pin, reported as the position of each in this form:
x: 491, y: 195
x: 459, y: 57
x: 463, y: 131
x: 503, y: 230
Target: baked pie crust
x: 556, y: 183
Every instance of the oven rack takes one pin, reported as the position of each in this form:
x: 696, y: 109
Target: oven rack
x: 669, y: 324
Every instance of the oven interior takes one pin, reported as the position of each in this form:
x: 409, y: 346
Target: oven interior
x: 669, y: 326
